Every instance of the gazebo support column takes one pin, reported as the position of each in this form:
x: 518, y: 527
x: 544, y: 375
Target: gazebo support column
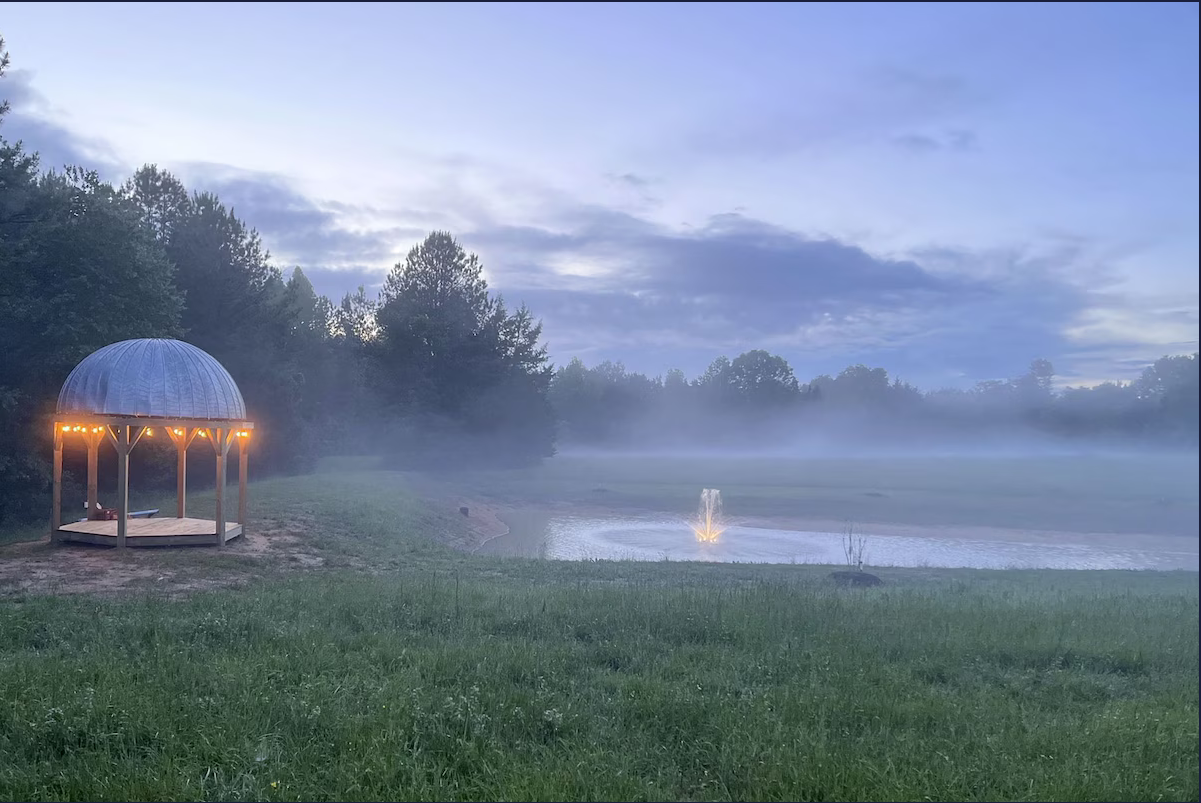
x: 243, y: 470
x: 124, y: 445
x: 182, y: 440
x: 93, y: 441
x: 123, y: 448
x: 222, y: 440
x: 56, y: 512
x: 181, y: 479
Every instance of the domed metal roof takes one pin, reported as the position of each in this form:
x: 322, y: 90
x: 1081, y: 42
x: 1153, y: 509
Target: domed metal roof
x: 152, y: 377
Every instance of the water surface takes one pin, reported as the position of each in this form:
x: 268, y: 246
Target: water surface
x: 574, y: 537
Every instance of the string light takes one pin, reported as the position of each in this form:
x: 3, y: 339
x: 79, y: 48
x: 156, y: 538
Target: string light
x: 66, y: 429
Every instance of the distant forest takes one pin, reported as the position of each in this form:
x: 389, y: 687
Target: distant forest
x: 436, y: 370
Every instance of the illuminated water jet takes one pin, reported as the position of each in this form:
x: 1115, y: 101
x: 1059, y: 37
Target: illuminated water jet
x: 709, y: 523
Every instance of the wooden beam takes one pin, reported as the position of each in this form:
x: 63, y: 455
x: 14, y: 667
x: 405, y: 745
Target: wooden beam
x: 243, y: 469
x: 93, y: 440
x: 182, y: 437
x: 149, y: 421
x: 181, y: 470
x: 56, y: 512
x: 141, y: 431
x: 123, y: 447
x: 221, y: 439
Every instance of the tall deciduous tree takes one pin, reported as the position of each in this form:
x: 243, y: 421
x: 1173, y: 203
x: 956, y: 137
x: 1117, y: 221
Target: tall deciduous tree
x: 763, y: 380
x: 450, y: 350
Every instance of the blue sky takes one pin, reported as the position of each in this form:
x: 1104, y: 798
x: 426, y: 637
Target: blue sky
x: 944, y: 190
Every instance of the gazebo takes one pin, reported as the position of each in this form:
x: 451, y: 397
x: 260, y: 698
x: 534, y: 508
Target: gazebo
x: 127, y: 390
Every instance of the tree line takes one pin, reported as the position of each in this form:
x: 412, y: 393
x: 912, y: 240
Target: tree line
x: 756, y: 401
x: 436, y: 369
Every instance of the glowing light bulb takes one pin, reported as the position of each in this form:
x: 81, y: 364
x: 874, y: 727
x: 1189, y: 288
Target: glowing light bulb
x: 66, y: 429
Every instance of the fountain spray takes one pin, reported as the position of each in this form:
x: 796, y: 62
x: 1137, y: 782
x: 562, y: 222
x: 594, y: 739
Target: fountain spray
x: 709, y: 522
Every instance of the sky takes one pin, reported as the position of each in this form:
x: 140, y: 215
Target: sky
x: 947, y: 191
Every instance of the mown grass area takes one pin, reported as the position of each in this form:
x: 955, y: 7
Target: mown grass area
x: 1116, y: 494
x: 409, y: 671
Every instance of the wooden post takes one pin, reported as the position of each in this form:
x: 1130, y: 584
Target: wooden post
x: 181, y: 476
x: 93, y: 440
x: 243, y: 469
x: 122, y: 484
x: 56, y: 513
x: 221, y: 442
x: 181, y: 469
x: 182, y: 440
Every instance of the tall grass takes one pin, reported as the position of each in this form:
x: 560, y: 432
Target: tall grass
x: 421, y: 674
x: 432, y: 685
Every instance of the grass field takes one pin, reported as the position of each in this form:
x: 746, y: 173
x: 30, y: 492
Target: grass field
x: 401, y: 669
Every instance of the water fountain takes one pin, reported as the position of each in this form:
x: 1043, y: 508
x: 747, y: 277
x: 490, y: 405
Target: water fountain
x: 709, y: 523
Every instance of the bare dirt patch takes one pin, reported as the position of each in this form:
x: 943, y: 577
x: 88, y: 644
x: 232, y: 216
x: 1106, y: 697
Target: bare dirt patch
x: 38, y: 567
x: 41, y: 568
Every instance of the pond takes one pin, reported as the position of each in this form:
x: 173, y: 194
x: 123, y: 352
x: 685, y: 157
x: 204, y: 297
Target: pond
x: 654, y: 538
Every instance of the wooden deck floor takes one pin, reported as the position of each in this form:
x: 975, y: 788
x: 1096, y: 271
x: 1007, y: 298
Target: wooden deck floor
x: 163, y: 531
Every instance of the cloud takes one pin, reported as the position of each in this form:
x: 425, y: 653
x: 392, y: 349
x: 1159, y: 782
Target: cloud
x: 637, y: 187
x: 879, y: 103
x: 956, y: 141
x: 632, y: 180
x: 1148, y: 322
x: 611, y: 285
x: 1118, y: 335
x: 336, y: 283
x: 37, y: 125
x: 319, y: 235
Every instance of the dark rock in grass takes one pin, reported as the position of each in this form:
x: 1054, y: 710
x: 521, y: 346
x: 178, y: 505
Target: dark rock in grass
x: 464, y: 511
x: 855, y: 579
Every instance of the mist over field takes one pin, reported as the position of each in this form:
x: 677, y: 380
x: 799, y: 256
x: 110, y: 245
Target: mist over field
x: 625, y: 401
